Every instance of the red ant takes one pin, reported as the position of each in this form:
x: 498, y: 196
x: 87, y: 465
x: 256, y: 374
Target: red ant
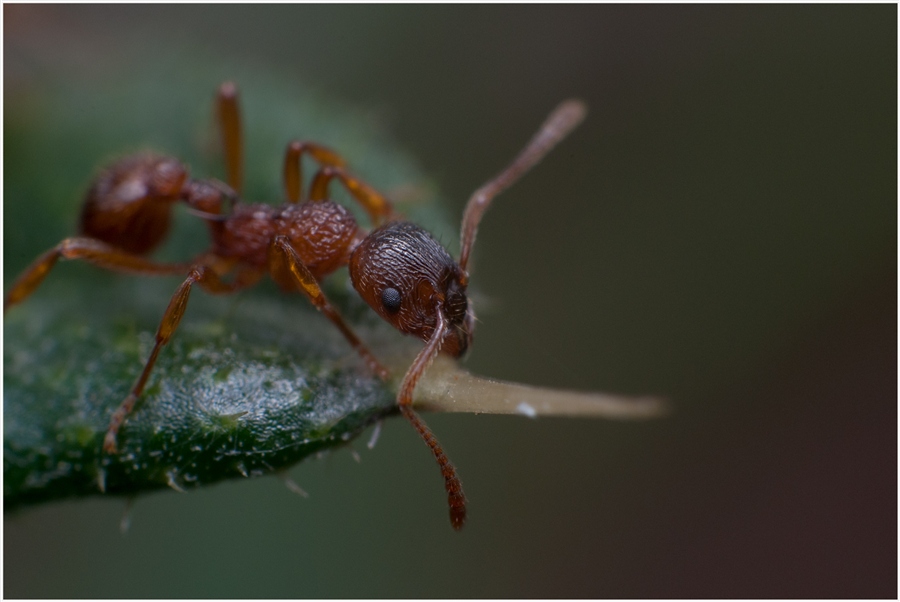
x: 403, y: 273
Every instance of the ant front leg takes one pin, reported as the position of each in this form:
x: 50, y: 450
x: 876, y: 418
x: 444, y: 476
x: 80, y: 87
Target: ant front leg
x: 92, y: 251
x: 288, y: 270
x: 210, y: 282
x: 378, y: 207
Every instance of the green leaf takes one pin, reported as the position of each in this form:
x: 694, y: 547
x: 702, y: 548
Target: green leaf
x: 250, y: 384
x: 220, y: 405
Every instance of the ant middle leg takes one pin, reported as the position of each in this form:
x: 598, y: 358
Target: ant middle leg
x: 375, y: 204
x: 209, y: 281
x: 332, y: 166
x: 229, y: 116
x: 92, y: 251
x: 289, y: 271
x: 293, y: 168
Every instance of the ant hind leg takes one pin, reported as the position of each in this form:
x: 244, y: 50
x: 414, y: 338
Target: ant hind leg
x: 210, y: 282
x: 92, y: 251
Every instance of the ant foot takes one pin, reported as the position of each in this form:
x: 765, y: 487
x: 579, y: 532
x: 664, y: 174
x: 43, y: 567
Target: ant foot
x: 115, y: 421
x: 109, y: 443
x: 381, y: 371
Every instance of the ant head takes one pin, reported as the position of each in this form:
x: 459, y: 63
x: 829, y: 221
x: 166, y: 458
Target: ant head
x: 406, y: 276
x: 410, y: 279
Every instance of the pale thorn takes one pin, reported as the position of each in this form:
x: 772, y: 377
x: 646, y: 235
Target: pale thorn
x: 170, y: 481
x: 448, y: 388
x: 292, y: 485
x: 376, y: 432
x: 125, y: 521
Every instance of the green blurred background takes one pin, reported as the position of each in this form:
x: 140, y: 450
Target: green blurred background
x: 722, y: 231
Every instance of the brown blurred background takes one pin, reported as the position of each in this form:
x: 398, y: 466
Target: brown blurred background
x: 722, y: 231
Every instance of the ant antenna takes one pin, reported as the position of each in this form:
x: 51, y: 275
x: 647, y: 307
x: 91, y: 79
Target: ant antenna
x: 558, y: 125
x: 456, y: 499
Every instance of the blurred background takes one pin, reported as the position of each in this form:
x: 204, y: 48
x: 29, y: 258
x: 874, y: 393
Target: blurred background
x: 721, y: 231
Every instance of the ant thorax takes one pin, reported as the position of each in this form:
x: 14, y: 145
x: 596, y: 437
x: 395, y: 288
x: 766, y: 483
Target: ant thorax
x: 323, y: 233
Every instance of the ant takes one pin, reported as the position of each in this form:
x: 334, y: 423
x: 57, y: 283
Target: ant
x: 403, y: 273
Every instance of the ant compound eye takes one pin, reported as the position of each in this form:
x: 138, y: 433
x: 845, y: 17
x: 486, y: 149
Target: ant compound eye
x: 390, y: 298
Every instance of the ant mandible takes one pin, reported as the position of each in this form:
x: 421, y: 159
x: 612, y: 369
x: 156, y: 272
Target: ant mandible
x: 403, y: 273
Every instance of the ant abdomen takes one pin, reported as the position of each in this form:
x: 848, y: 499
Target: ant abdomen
x: 129, y: 204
